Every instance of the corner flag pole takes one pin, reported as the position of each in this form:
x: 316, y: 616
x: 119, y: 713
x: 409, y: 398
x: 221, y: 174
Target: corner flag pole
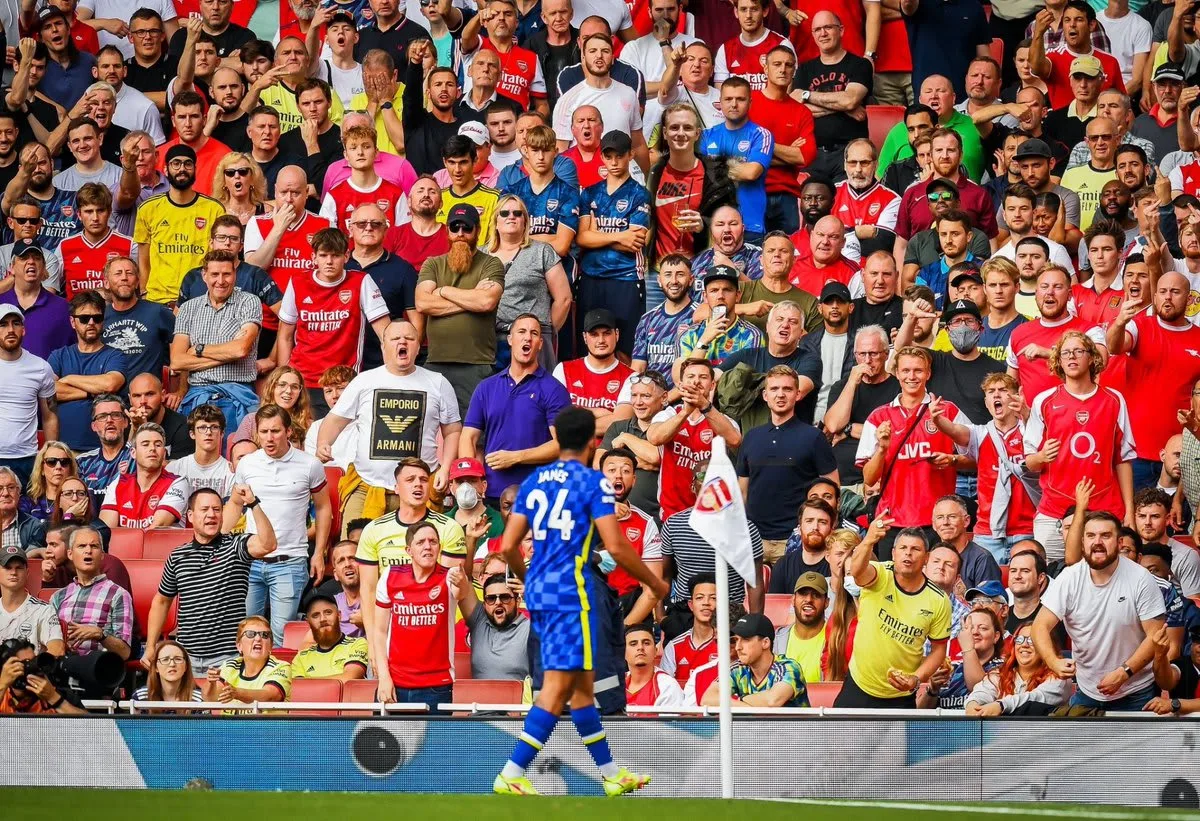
x: 719, y: 517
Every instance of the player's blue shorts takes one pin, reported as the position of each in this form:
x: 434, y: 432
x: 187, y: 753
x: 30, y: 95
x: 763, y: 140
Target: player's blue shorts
x: 566, y: 638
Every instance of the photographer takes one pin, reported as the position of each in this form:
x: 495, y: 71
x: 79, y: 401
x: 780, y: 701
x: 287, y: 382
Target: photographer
x: 22, y: 690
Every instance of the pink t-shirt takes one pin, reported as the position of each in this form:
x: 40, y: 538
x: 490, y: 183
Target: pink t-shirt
x: 392, y: 168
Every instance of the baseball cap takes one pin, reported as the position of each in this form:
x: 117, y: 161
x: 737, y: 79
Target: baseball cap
x: 463, y: 212
x: 475, y: 132
x: 1169, y: 71
x: 11, y: 310
x: 599, y: 318
x: 962, y: 306
x: 315, y: 597
x: 342, y: 17
x: 1087, y: 64
x: 966, y: 273
x: 466, y: 469
x: 180, y: 150
x: 943, y: 184
x: 811, y: 581
x: 11, y: 552
x: 617, y: 141
x: 50, y: 12
x: 1033, y: 148
x: 992, y: 589
x: 725, y: 272
x: 27, y: 248
x: 754, y: 626
x: 834, y: 290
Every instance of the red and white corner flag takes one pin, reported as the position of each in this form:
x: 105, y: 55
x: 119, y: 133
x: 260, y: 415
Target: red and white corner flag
x: 719, y: 516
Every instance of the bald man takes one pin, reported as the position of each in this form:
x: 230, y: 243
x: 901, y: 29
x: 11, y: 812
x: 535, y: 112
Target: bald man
x: 826, y: 262
x: 937, y: 92
x: 226, y: 120
x: 396, y: 278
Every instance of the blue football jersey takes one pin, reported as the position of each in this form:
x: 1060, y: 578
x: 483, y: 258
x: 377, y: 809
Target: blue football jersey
x: 612, y: 213
x: 750, y: 143
x: 59, y: 220
x: 557, y: 202
x: 656, y: 340
x: 561, y: 502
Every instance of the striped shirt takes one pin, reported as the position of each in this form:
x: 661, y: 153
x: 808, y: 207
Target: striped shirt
x: 1189, y: 467
x: 201, y: 323
x: 693, y: 555
x: 211, y: 581
x: 100, y: 604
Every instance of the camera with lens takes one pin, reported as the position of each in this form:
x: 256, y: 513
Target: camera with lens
x: 95, y: 675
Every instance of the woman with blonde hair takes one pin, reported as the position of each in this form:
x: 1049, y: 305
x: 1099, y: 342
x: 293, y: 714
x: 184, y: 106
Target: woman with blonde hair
x: 285, y: 388
x: 240, y: 185
x: 843, y: 616
x: 535, y: 281
x: 53, y: 464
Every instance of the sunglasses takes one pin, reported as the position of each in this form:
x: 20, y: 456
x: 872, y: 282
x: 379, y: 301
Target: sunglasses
x: 503, y: 598
x: 940, y: 196
x: 26, y: 220
x: 1023, y: 640
x: 505, y: 212
x: 373, y: 225
x: 459, y: 228
x: 256, y: 634
x: 237, y: 172
x: 88, y: 319
x: 56, y: 461
x: 646, y: 380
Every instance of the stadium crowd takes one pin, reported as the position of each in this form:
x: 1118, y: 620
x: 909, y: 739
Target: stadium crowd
x: 293, y: 294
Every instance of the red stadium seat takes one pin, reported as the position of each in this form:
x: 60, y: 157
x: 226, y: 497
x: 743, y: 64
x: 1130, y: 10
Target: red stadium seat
x: 127, y: 543
x: 766, y: 576
x: 779, y: 609
x: 880, y: 119
x: 462, y: 666
x: 1004, y: 575
x: 46, y: 592
x: 316, y: 689
x: 998, y: 50
x: 361, y: 691
x: 33, y: 580
x: 144, y: 576
x: 822, y: 693
x: 333, y: 479
x: 296, y: 634
x: 287, y: 654
x: 488, y: 691
x: 159, y: 542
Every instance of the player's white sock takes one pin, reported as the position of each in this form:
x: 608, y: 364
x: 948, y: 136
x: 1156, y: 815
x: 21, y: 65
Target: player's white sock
x: 511, y: 770
x: 609, y: 770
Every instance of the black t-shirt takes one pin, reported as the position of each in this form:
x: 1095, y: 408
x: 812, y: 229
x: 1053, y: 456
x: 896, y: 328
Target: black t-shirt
x: 791, y: 567
x: 228, y: 41
x: 888, y: 315
x: 394, y: 41
x: 155, y: 77
x: 271, y: 168
x: 424, y: 133
x: 644, y: 495
x: 866, y: 399
x: 835, y: 130
x: 179, y: 441
x: 1059, y: 632
x: 1061, y: 132
x: 553, y: 59
x: 958, y: 381
x: 233, y: 134
x: 314, y: 165
x: 7, y: 172
x: 804, y: 362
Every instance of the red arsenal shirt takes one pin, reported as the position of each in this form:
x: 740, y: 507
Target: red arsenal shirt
x: 83, y: 262
x: 420, y: 627
x: 293, y: 255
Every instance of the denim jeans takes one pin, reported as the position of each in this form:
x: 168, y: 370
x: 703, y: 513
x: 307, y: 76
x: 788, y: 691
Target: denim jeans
x: 201, y: 664
x: 284, y: 583
x: 654, y: 292
x: 233, y: 399
x: 22, y: 466
x: 783, y: 214
x: 1131, y: 703
x: 1050, y: 533
x: 1000, y: 546
x: 431, y: 696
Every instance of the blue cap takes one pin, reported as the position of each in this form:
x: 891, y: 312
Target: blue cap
x: 991, y: 588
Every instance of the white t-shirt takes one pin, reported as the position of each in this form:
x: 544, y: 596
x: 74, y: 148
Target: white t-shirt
x: 26, y: 380
x: 343, y: 446
x: 501, y: 160
x: 346, y: 82
x: 618, y: 106
x: 218, y: 476
x: 1130, y: 36
x: 645, y: 54
x: 123, y: 10
x: 34, y: 621
x: 614, y: 11
x: 1185, y: 567
x: 1105, y: 623
x: 134, y: 111
x: 398, y: 417
x: 1058, y: 252
x: 285, y: 487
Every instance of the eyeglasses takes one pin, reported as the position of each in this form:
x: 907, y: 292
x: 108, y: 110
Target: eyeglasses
x: 256, y: 634
x: 290, y: 387
x: 237, y: 172
x: 503, y: 598
x: 459, y: 228
x: 171, y: 661
x: 1023, y: 640
x: 871, y: 354
x: 102, y: 417
x: 181, y: 163
x: 369, y: 225
x: 1072, y: 353
x: 56, y: 461
x: 145, y: 32
x: 73, y: 494
x: 203, y: 429
x: 88, y: 319
x: 507, y: 212
x: 226, y: 238
x: 26, y: 220
x: 940, y: 196
x: 12, y: 489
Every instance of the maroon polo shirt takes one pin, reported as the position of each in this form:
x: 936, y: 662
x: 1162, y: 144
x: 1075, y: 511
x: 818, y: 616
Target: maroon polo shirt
x: 972, y: 198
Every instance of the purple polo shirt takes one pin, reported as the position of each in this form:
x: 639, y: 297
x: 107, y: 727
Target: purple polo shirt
x: 47, y: 322
x: 973, y: 199
x: 514, y: 416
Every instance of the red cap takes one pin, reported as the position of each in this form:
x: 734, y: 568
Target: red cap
x: 466, y: 469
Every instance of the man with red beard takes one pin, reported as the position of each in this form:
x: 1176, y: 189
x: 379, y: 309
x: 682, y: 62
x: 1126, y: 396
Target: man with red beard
x: 619, y: 467
x: 806, y: 553
x: 1112, y: 607
x: 458, y: 293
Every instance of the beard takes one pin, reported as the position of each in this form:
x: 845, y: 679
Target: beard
x: 1105, y: 562
x: 460, y: 256
x: 426, y: 211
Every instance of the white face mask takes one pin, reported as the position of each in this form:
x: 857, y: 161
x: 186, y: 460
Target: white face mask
x: 607, y: 563
x: 466, y: 496
x: 850, y: 586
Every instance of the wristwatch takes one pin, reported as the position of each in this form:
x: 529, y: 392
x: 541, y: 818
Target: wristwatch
x: 199, y: 349
x: 870, y: 55
x: 386, y: 106
x: 253, y: 503
x: 1176, y: 706
x: 1128, y: 670
x: 665, y: 44
x: 804, y: 97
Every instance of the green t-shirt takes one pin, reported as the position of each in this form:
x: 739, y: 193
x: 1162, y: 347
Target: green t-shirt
x: 465, y: 338
x: 754, y: 290
x: 896, y: 147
